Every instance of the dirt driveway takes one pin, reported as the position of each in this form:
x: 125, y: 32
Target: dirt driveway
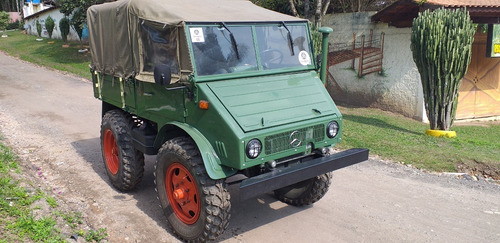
x: 53, y: 122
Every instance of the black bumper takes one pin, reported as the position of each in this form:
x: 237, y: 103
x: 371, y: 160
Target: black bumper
x: 282, y: 177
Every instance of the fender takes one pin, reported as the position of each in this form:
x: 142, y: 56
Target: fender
x: 212, y: 162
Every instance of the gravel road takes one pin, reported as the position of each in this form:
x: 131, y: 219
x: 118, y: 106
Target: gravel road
x: 52, y: 120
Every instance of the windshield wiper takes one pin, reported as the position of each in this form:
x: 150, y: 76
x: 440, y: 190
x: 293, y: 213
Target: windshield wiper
x: 290, y: 40
x: 233, y: 41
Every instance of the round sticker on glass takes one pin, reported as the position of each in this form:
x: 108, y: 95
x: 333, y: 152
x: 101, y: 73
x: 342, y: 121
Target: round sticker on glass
x: 304, y: 58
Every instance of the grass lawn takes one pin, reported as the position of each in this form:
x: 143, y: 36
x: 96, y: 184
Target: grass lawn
x: 394, y: 137
x: 476, y: 148
x: 27, y: 48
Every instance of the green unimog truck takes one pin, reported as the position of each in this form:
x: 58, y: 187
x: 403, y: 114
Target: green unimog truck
x: 223, y: 93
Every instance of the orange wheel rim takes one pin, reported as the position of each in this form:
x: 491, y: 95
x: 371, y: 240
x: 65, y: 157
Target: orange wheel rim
x: 182, y: 193
x: 111, y: 152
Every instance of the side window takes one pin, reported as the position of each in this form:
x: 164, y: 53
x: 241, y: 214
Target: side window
x: 159, y: 46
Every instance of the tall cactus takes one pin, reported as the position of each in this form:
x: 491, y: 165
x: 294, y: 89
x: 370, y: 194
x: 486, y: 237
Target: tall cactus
x: 441, y: 43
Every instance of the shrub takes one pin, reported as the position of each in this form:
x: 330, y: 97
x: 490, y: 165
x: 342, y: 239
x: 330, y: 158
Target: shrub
x: 49, y: 25
x: 64, y: 28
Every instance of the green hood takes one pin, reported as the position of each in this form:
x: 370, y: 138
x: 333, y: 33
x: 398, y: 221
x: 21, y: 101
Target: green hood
x: 263, y: 102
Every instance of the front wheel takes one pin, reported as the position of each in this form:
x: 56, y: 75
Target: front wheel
x: 197, y: 207
x: 305, y: 192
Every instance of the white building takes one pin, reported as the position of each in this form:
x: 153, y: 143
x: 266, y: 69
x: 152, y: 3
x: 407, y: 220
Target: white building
x: 39, y: 10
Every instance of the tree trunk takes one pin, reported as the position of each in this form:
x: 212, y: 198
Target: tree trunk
x: 317, y: 14
x: 326, y: 6
x: 306, y: 9
x: 294, y: 10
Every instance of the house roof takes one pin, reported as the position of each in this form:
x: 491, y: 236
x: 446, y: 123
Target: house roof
x: 466, y: 3
x: 401, y: 13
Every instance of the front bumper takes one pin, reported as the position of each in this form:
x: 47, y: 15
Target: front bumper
x: 282, y: 177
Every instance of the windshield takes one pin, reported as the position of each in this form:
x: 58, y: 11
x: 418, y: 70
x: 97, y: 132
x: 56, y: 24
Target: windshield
x: 252, y: 48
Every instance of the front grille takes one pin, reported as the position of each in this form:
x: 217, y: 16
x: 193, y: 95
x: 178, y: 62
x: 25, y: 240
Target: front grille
x: 282, y: 141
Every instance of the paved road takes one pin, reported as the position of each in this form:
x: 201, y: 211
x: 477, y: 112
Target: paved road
x: 53, y: 121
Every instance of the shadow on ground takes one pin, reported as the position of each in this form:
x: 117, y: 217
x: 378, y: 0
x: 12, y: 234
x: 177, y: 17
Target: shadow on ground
x: 245, y: 215
x: 376, y: 123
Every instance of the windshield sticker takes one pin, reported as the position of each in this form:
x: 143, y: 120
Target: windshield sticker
x: 197, y: 35
x: 304, y: 58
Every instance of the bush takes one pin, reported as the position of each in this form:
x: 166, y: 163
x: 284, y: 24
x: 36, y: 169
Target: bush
x: 49, y: 25
x: 64, y: 28
x: 4, y: 20
x: 13, y: 25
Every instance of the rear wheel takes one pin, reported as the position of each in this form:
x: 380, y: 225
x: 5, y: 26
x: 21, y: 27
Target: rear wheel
x: 124, y: 164
x: 197, y: 207
x: 305, y: 192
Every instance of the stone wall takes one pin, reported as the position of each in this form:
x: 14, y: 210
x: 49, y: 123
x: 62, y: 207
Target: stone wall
x: 397, y: 88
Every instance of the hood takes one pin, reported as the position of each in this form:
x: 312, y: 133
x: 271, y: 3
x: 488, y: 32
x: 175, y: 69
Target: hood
x: 263, y: 102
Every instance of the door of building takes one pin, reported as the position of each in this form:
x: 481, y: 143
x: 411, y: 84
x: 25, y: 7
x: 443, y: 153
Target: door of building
x: 479, y: 93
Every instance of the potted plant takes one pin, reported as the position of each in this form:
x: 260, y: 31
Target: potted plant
x: 441, y: 43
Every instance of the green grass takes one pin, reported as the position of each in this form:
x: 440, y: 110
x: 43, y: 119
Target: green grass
x: 27, y: 48
x: 397, y: 138
x: 17, y: 220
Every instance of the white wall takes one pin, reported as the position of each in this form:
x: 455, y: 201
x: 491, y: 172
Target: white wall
x: 30, y: 25
x: 399, y: 89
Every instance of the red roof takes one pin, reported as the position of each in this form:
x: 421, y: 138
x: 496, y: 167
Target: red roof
x: 465, y: 3
x: 402, y: 12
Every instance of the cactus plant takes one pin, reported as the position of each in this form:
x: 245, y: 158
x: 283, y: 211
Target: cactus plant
x: 441, y: 43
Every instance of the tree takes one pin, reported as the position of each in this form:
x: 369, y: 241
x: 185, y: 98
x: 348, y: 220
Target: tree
x: 10, y: 5
x: 320, y: 10
x: 4, y: 20
x: 64, y: 28
x: 78, y: 10
x: 49, y: 25
x: 441, y: 43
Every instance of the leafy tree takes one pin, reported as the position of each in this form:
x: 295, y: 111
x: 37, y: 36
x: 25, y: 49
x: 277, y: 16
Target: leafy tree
x: 4, y: 20
x: 49, y: 25
x: 38, y: 28
x: 78, y: 10
x: 64, y: 28
x: 10, y: 5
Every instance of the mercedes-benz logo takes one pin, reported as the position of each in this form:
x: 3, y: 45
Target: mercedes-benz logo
x: 295, y: 139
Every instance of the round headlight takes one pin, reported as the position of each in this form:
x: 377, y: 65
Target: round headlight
x: 254, y: 147
x: 332, y: 129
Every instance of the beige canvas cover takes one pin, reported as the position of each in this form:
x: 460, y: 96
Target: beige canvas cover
x: 114, y: 28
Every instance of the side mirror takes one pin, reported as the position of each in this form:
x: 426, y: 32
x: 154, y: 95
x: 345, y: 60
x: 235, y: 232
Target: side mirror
x: 162, y: 74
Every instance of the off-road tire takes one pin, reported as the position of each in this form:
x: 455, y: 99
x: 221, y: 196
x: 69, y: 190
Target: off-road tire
x: 305, y: 192
x: 126, y: 169
x: 214, y: 200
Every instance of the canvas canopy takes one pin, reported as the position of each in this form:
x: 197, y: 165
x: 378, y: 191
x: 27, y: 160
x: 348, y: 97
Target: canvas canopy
x: 115, y: 29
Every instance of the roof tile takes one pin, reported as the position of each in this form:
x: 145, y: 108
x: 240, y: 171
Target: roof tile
x: 466, y: 3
